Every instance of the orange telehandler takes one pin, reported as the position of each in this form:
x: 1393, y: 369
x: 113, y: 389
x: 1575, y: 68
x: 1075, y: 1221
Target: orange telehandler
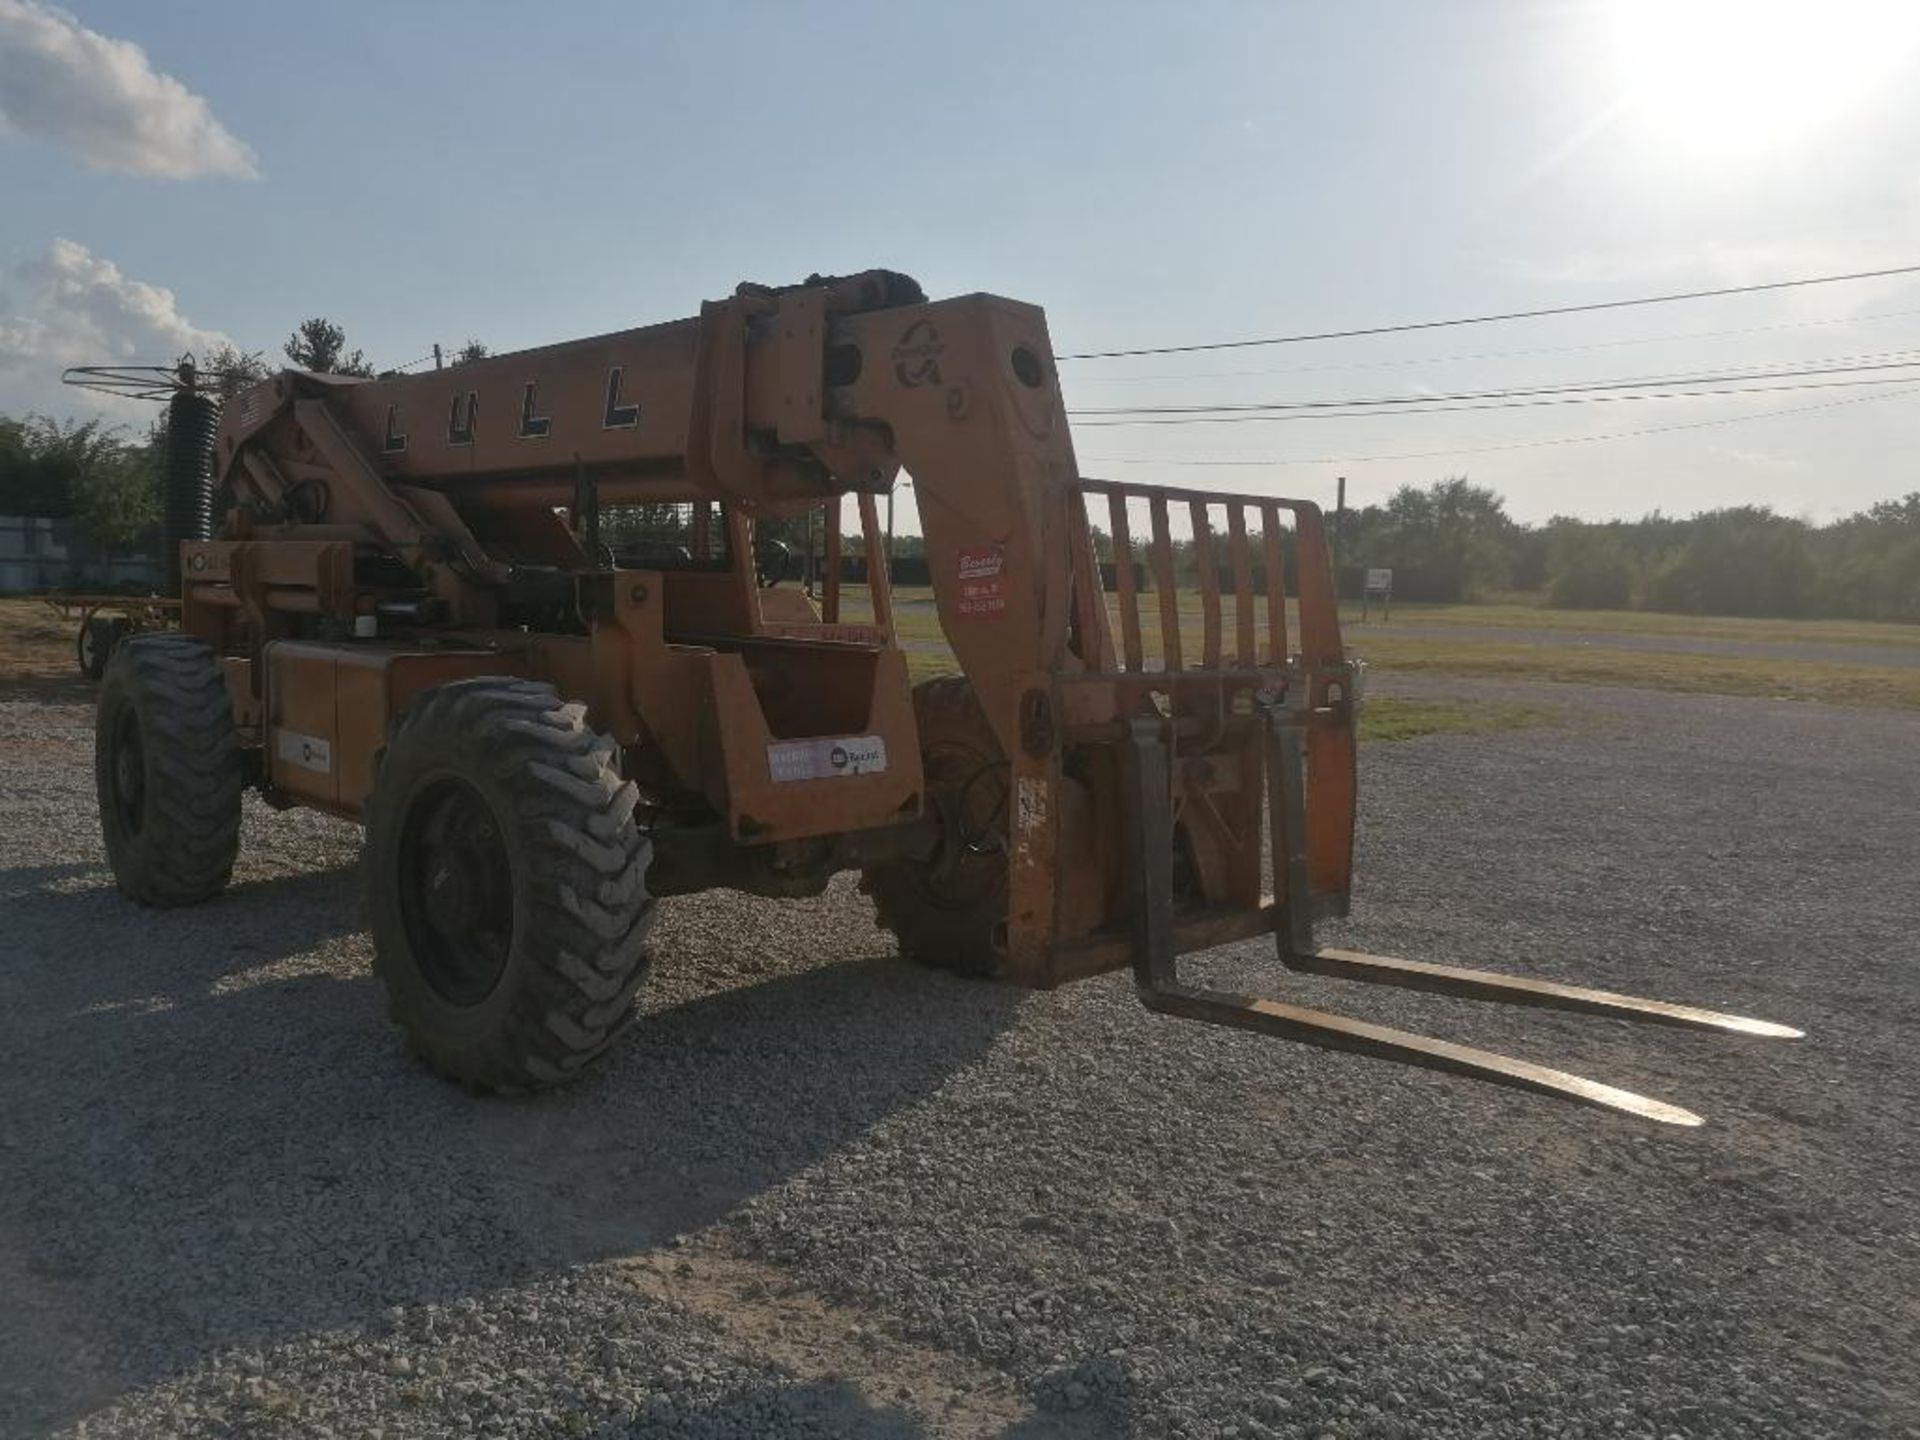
x: 523, y: 619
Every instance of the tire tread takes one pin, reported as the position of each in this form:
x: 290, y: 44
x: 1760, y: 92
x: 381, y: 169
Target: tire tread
x: 190, y: 835
x: 587, y: 859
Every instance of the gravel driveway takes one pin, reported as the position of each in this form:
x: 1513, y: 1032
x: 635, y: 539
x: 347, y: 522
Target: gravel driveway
x: 821, y: 1194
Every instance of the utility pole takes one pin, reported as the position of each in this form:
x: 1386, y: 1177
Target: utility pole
x: 436, y: 355
x: 1339, y: 531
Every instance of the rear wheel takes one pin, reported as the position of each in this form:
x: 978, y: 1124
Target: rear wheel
x: 95, y: 644
x: 506, y: 882
x: 168, y: 770
x: 946, y: 911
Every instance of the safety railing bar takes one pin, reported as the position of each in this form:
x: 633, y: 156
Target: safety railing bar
x: 1161, y: 554
x: 1123, y: 575
x: 1180, y: 495
x: 880, y: 586
x: 1277, y: 648
x: 1241, y: 559
x: 830, y: 592
x: 1089, y: 595
x: 1313, y: 575
x: 1209, y: 585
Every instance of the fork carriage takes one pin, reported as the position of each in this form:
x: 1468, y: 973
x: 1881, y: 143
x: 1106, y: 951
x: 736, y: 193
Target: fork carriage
x: 1279, y: 719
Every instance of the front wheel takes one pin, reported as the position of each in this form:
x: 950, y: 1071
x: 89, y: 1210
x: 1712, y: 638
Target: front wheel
x: 947, y: 910
x: 506, y: 880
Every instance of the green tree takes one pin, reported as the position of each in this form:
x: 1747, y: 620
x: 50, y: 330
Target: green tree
x: 471, y: 351
x: 1868, y: 565
x: 321, y: 345
x: 21, y: 488
x: 1588, y: 567
x: 42, y: 462
x: 87, y: 472
x: 1449, y: 541
x: 1742, y: 561
x: 114, y: 500
x: 236, y: 369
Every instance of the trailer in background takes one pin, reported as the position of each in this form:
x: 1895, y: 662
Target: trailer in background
x: 103, y: 621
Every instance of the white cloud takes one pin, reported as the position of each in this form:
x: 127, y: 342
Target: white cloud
x: 102, y: 99
x: 70, y: 307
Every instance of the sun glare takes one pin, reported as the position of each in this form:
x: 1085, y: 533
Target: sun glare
x: 1741, y: 76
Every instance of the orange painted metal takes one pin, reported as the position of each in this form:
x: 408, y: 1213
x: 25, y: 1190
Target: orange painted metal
x: 1241, y: 559
x: 1277, y: 647
x: 1204, y: 563
x: 879, y: 568
x: 1161, y: 561
x: 1092, y: 635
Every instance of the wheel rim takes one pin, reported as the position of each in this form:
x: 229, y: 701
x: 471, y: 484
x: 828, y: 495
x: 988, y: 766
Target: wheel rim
x: 89, y: 648
x: 456, y: 891
x: 128, y: 773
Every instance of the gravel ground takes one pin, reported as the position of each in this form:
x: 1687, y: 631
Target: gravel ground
x: 821, y: 1194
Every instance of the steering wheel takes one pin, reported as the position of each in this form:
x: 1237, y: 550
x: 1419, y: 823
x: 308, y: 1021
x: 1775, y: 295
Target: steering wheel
x: 772, y: 562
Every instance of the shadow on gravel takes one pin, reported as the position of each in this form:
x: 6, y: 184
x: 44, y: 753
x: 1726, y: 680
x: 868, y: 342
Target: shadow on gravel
x: 223, y: 1143
x: 84, y: 947
x: 838, y: 1409
x: 49, y: 689
x: 819, y: 1408
x: 24, y: 880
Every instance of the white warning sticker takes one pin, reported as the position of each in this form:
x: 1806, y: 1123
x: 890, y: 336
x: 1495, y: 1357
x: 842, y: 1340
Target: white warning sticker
x: 309, y: 752
x: 826, y: 758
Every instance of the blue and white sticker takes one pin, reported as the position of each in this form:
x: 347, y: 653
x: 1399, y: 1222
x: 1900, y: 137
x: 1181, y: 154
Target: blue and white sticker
x: 309, y: 752
x: 827, y: 758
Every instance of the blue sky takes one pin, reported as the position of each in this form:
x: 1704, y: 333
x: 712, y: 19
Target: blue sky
x: 1152, y: 174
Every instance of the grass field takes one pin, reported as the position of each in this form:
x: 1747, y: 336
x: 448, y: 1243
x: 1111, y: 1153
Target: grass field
x: 1523, y: 616
x: 37, y: 655
x: 1399, y: 717
x: 1878, y: 687
x: 1571, y: 647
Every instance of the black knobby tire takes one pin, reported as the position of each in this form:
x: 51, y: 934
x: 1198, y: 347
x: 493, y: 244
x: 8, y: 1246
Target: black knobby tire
x: 506, y: 883
x: 168, y: 770
x: 98, y: 638
x: 947, y: 911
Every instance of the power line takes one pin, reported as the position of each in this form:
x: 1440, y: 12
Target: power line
x: 1494, y: 319
x: 1510, y: 404
x: 1491, y: 354
x: 1437, y: 404
x: 1275, y: 462
x: 1821, y: 365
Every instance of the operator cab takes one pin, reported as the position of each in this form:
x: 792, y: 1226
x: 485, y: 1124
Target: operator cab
x: 803, y: 610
